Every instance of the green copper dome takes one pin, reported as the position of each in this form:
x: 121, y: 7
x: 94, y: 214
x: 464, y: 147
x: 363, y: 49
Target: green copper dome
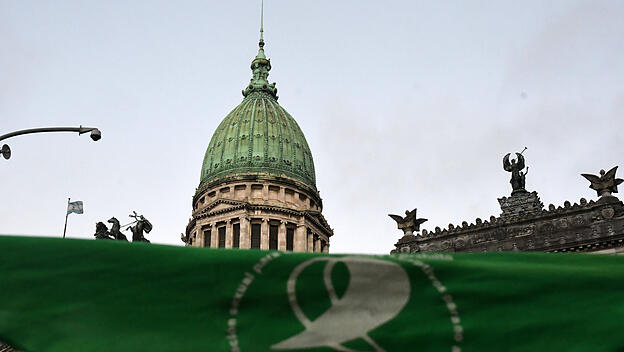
x: 258, y: 137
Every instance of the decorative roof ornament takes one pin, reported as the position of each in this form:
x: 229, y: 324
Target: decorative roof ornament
x: 260, y: 67
x: 605, y: 184
x: 517, y: 176
x: 409, y: 223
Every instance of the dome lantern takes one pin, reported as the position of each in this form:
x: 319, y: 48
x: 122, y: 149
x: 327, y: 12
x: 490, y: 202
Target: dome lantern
x: 260, y: 67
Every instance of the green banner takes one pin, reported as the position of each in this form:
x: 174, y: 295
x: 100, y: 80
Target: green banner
x: 76, y: 295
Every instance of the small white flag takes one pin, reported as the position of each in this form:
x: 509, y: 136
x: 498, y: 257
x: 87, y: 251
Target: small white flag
x: 74, y: 207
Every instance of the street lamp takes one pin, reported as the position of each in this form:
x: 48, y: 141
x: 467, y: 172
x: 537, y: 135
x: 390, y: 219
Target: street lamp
x: 6, y: 151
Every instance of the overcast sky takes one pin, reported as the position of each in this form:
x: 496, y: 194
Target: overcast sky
x: 404, y: 104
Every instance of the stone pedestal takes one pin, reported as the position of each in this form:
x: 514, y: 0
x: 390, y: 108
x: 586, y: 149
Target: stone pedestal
x: 520, y: 204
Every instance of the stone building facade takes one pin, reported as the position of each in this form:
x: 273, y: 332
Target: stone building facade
x: 524, y: 225
x: 258, y: 183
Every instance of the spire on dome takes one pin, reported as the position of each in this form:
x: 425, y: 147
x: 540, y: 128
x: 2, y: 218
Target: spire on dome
x: 260, y: 67
x: 261, y: 23
x: 261, y: 42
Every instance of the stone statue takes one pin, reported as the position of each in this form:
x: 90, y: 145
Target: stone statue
x: 605, y: 184
x: 115, y: 230
x: 409, y: 223
x: 141, y: 225
x: 517, y: 176
x: 101, y: 232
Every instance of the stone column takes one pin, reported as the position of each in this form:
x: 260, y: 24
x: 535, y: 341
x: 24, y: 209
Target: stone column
x: 317, y: 243
x: 245, y: 233
x: 214, y: 236
x: 228, y: 234
x: 281, y: 236
x: 326, y: 250
x: 264, y: 233
x: 282, y: 195
x: 310, y: 240
x: 300, y: 244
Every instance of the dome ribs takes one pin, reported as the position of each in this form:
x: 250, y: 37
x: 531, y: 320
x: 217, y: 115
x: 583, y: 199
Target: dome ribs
x: 257, y: 151
x: 251, y: 134
x: 273, y: 133
x: 229, y: 141
x: 243, y: 149
x: 265, y: 124
x: 258, y: 137
x: 280, y: 138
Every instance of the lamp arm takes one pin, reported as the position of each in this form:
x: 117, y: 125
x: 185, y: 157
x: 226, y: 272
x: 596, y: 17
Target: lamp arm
x: 80, y: 130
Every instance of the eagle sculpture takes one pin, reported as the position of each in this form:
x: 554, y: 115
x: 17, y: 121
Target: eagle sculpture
x: 605, y: 184
x: 409, y: 223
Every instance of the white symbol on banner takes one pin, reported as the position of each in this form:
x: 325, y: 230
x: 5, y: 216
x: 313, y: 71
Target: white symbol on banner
x: 378, y: 290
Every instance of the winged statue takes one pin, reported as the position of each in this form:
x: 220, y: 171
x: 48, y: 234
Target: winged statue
x: 517, y: 175
x: 409, y: 223
x: 605, y: 184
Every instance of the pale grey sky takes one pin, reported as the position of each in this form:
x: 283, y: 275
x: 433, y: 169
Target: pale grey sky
x: 404, y: 104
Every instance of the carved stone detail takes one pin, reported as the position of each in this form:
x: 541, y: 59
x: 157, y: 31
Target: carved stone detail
x: 520, y: 204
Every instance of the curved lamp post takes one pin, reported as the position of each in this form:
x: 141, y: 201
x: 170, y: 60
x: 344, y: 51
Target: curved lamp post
x: 6, y: 151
